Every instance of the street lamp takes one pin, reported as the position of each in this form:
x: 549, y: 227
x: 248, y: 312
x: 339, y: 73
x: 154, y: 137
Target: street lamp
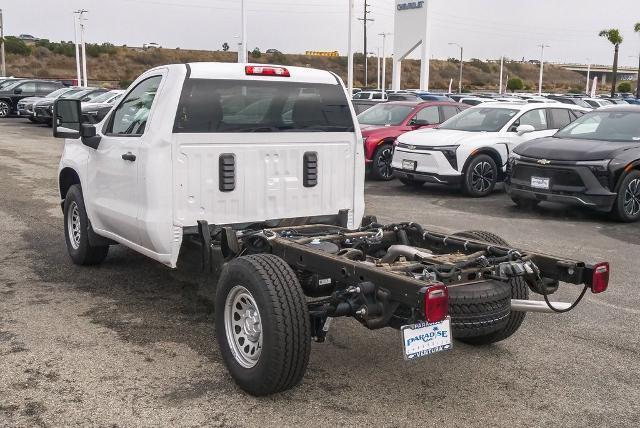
x: 384, y: 63
x: 542, y: 46
x: 588, y: 75
x: 460, y: 78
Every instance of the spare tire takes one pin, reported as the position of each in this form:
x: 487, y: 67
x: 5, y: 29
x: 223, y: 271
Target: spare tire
x: 479, y: 309
x: 518, y: 290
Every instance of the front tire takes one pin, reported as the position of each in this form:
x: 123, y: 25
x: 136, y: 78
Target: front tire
x: 480, y: 176
x: 5, y: 109
x: 76, y: 227
x: 262, y: 324
x: 381, y: 165
x: 627, y: 205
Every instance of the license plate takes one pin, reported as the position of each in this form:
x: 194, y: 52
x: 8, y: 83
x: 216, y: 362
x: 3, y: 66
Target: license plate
x: 422, y: 339
x: 540, y: 183
x: 409, y: 164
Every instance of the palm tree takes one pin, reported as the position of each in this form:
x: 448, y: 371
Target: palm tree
x: 614, y: 36
x: 636, y: 28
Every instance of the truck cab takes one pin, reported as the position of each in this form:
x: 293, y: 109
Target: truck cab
x: 230, y: 144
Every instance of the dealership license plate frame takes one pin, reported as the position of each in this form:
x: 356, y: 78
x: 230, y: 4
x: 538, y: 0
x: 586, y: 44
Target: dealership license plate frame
x: 542, y: 183
x: 437, y: 335
x: 409, y: 165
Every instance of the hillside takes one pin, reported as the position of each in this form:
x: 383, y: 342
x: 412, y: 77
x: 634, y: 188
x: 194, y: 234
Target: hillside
x: 117, y: 66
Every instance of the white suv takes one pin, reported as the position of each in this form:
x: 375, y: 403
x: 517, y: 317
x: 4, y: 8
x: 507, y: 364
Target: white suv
x: 471, y: 149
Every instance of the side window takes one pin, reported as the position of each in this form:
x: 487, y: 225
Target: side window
x: 560, y: 117
x: 130, y: 118
x: 428, y: 116
x: 377, y: 96
x: 448, y: 112
x: 28, y: 88
x: 46, y: 87
x: 536, y: 118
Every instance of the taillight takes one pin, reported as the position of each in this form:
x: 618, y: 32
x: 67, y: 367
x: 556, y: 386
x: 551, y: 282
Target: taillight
x: 436, y: 303
x: 255, y: 70
x: 600, y: 278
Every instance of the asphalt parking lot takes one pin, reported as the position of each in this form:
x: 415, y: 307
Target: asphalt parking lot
x: 131, y: 343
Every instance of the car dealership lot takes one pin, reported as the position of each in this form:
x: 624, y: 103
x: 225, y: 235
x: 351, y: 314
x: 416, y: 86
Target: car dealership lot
x: 130, y: 343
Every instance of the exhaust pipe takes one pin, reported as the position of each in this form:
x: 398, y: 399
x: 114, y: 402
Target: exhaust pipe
x: 537, y: 306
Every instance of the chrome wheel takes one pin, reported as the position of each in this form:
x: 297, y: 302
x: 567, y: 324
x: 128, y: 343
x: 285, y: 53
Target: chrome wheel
x: 632, y: 198
x: 383, y: 163
x: 243, y: 326
x: 4, y: 109
x: 482, y: 177
x: 73, y: 225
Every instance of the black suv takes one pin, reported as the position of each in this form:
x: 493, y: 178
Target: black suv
x: 593, y: 162
x: 10, y: 95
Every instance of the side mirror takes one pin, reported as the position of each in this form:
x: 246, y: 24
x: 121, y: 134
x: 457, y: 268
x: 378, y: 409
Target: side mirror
x: 17, y: 91
x: 524, y: 129
x: 416, y: 122
x: 67, y: 117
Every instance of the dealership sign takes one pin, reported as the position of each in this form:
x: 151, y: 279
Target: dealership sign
x: 411, y: 5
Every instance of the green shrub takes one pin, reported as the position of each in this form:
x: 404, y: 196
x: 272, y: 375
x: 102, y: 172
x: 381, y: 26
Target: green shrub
x: 624, y: 87
x: 515, y: 84
x: 14, y: 45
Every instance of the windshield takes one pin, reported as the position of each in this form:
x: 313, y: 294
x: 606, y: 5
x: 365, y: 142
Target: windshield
x: 604, y: 126
x: 87, y: 93
x: 480, y: 119
x: 385, y: 114
x: 227, y: 106
x: 70, y: 93
x: 9, y: 84
x: 57, y: 93
x: 103, y: 98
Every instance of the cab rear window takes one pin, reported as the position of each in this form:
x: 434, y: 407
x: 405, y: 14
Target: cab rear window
x: 228, y: 106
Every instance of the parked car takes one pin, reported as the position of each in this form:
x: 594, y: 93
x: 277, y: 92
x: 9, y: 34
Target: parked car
x: 43, y: 110
x: 594, y: 162
x: 95, y: 110
x: 383, y: 124
x: 472, y: 148
x: 25, y: 105
x: 570, y: 100
x: 427, y: 96
x: 597, y: 102
x: 473, y: 101
x: 370, y: 95
x: 12, y: 94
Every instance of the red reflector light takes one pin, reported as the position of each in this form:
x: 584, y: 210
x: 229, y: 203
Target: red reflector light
x: 436, y: 303
x: 600, y: 278
x: 255, y: 70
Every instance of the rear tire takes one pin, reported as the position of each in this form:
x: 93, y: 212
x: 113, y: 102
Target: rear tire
x: 381, y: 163
x: 525, y: 204
x: 76, y: 227
x: 627, y: 205
x: 5, y: 109
x: 265, y: 339
x: 480, y: 176
x: 519, y: 290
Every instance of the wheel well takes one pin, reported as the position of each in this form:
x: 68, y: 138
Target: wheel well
x: 635, y: 166
x: 68, y: 177
x: 493, y: 155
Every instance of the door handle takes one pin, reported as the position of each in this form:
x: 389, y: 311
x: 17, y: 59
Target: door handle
x: 129, y: 157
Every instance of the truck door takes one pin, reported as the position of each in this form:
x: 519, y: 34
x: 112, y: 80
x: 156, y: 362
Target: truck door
x: 113, y: 168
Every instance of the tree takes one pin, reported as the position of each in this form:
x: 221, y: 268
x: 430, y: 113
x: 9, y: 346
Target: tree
x: 515, y: 84
x: 615, y: 38
x: 225, y: 46
x: 624, y: 87
x: 636, y: 28
x: 14, y: 45
x: 256, y: 52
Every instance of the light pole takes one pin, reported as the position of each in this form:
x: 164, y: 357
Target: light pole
x: 378, y: 69
x: 588, y: 75
x: 501, y: 72
x: 80, y: 14
x: 384, y: 63
x: 542, y: 46
x: 75, y: 34
x: 242, y: 46
x: 350, y: 50
x: 3, y: 68
x: 460, y: 78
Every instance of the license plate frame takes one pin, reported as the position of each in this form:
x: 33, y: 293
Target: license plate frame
x: 424, y: 339
x: 542, y: 183
x: 409, y: 165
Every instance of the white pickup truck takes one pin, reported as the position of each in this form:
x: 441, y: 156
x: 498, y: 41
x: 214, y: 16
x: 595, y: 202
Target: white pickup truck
x: 262, y: 167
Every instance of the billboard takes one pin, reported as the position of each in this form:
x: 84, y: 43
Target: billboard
x: 411, y: 31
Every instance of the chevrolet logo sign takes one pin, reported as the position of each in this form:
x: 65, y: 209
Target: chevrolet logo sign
x: 544, y: 162
x: 411, y: 147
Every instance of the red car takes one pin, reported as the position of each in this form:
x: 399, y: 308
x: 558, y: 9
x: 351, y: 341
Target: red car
x: 385, y: 122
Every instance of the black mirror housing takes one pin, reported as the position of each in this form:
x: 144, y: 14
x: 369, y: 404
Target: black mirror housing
x: 17, y: 91
x: 67, y: 118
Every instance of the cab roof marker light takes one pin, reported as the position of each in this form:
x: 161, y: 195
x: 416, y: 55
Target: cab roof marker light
x: 253, y: 70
